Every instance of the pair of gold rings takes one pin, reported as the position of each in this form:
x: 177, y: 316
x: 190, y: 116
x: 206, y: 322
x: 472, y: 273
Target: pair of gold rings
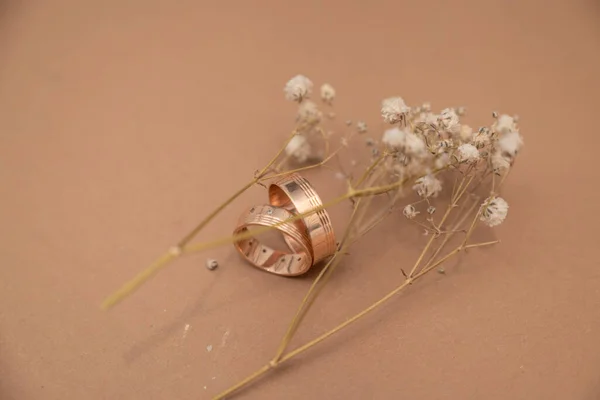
x: 310, y: 239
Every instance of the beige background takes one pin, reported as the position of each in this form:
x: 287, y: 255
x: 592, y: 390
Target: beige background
x: 122, y: 123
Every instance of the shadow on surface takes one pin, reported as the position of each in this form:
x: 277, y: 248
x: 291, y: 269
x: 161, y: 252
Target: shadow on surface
x: 174, y: 327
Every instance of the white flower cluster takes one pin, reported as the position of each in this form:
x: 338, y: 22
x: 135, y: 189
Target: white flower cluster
x: 428, y: 186
x: 327, y: 93
x: 419, y: 145
x: 298, y: 88
x: 424, y: 143
x: 393, y: 110
x: 299, y: 149
x: 494, y: 211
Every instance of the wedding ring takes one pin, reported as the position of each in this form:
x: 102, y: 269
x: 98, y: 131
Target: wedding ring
x: 296, y: 262
x: 295, y: 194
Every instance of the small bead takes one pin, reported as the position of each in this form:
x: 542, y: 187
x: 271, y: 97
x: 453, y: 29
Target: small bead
x: 211, y: 264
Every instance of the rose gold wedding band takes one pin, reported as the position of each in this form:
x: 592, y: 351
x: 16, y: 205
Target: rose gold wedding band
x: 293, y: 263
x: 295, y: 194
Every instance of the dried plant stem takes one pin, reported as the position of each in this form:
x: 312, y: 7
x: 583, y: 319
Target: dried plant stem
x: 327, y: 271
x: 352, y: 193
x: 190, y: 236
x: 307, y: 301
x: 464, y: 184
x: 249, y: 379
x: 370, y: 169
x: 469, y: 246
x: 428, y: 245
x: 474, y: 222
x: 409, y: 281
x: 176, y: 251
x: 460, y: 219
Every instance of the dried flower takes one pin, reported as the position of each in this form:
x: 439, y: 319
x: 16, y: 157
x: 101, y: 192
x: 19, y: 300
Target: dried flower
x: 393, y: 137
x: 298, y: 88
x: 466, y: 133
x: 410, y: 211
x: 414, y: 145
x: 430, y: 210
x: 499, y: 162
x: 510, y: 143
x: 427, y: 118
x: 299, y: 149
x: 361, y: 126
x: 428, y: 186
x: 309, y: 113
x: 481, y: 139
x: 404, y: 140
x: 494, y: 211
x: 468, y: 153
x: 327, y: 93
x: 393, y: 109
x: 449, y: 120
x: 444, y: 145
x: 442, y: 161
x: 504, y: 124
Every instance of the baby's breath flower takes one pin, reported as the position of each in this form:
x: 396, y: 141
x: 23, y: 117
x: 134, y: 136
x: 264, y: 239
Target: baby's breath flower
x: 504, y: 124
x: 426, y: 107
x: 361, y: 126
x: 410, y: 211
x: 493, y: 211
x: 428, y: 186
x: 299, y: 148
x: 428, y: 118
x: 393, y: 137
x: 466, y: 133
x: 481, y: 139
x: 442, y: 161
x: 394, y: 109
x: 500, y: 162
x: 510, y: 143
x: 430, y: 210
x: 309, y: 113
x: 406, y: 141
x: 327, y: 93
x: 416, y: 167
x: 298, y: 88
x: 414, y: 145
x: 448, y: 119
x: 444, y: 145
x: 468, y: 153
